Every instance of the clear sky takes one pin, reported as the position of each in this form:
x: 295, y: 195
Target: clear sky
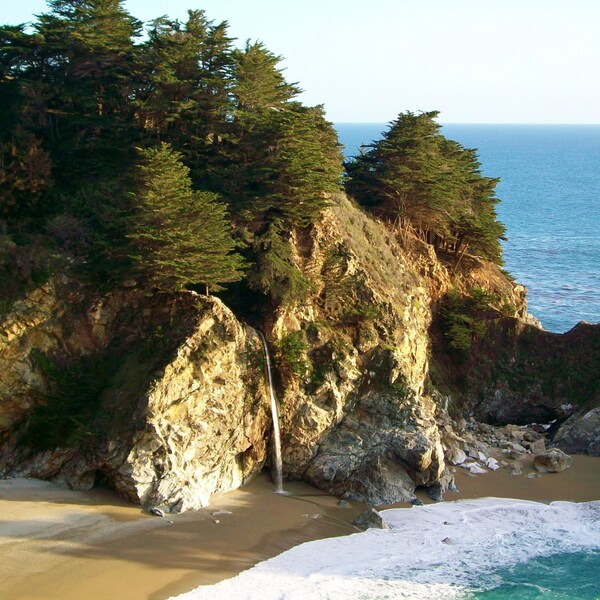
x: 477, y: 61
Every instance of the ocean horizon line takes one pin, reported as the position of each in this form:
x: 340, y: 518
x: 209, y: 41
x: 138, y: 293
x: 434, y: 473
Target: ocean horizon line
x: 475, y: 123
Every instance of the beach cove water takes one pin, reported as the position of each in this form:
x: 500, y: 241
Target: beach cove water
x: 550, y: 192
x: 487, y: 548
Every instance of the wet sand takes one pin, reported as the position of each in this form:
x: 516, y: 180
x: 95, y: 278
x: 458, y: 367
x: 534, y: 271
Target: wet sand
x: 60, y: 544
x: 67, y: 545
x: 579, y: 483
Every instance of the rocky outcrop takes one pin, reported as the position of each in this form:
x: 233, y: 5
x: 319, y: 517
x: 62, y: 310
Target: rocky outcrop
x: 171, y: 407
x: 181, y: 414
x: 519, y: 373
x: 370, y: 519
x: 206, y: 421
x: 382, y: 450
x: 552, y: 461
x: 358, y: 422
x: 580, y: 434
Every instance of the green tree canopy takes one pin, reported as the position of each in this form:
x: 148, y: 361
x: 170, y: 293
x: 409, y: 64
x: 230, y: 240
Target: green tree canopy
x: 186, y: 97
x: 89, y: 73
x: 80, y: 92
x: 421, y: 182
x: 259, y: 83
x: 179, y: 236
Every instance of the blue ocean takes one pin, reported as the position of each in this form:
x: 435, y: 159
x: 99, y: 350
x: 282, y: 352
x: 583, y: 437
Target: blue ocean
x: 550, y: 192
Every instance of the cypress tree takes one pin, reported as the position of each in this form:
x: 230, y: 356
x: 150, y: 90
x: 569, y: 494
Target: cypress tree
x: 91, y: 73
x: 186, y: 98
x: 178, y: 236
x: 25, y: 175
x: 423, y: 183
x: 401, y: 177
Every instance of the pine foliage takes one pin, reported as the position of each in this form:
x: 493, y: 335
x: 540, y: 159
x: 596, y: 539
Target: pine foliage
x: 80, y: 91
x: 179, y: 236
x: 228, y: 152
x: 423, y: 183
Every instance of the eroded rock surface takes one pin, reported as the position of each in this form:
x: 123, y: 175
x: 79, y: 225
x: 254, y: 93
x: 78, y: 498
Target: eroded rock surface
x: 552, y: 461
x: 580, y: 434
x: 179, y: 410
x: 359, y: 423
x: 381, y: 451
x: 181, y: 416
x: 519, y: 373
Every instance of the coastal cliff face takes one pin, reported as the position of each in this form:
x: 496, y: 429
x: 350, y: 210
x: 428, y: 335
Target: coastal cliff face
x: 356, y: 420
x: 162, y: 396
x: 519, y: 373
x: 178, y: 411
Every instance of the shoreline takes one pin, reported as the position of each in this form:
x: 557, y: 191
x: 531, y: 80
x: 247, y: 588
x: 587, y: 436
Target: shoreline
x: 63, y: 544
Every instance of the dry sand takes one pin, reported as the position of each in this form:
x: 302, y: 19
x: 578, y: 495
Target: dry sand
x: 61, y: 544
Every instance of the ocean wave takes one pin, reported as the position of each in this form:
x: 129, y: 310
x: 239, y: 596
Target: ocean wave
x: 441, y: 551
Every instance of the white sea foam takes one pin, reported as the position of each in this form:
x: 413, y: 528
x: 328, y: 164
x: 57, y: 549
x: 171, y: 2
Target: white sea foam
x: 438, y: 551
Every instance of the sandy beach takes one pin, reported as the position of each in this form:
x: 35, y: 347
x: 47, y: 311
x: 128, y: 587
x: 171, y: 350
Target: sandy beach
x: 57, y: 543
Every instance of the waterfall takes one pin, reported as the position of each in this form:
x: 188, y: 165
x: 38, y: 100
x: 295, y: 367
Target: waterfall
x: 275, y: 414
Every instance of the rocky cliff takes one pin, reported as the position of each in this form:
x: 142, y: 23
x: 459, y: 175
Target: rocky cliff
x: 162, y: 396
x: 518, y: 373
x: 159, y: 396
x: 356, y: 419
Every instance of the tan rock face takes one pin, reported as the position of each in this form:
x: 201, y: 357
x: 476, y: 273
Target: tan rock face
x: 181, y: 411
x: 206, y: 425
x: 359, y: 424
x: 182, y: 415
x: 552, y: 461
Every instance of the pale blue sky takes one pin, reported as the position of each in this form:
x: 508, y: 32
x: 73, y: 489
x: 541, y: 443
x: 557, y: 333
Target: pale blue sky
x: 478, y: 61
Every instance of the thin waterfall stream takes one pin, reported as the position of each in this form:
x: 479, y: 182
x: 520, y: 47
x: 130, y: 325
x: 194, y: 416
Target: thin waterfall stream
x: 275, y: 414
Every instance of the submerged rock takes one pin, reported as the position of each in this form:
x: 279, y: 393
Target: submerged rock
x: 370, y: 519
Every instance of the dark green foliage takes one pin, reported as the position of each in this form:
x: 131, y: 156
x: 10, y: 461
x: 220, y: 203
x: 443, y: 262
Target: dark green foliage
x: 464, y: 318
x: 274, y: 272
x: 480, y: 300
x: 77, y: 72
x: 25, y: 175
x: 281, y: 161
x: 361, y: 313
x: 282, y: 164
x: 291, y: 354
x: 259, y: 83
x: 64, y: 416
x: 318, y: 373
x: 185, y: 98
x: 26, y: 263
x: 401, y: 175
x: 79, y: 93
x: 423, y: 183
x: 400, y: 388
x: 339, y: 284
x: 178, y: 236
